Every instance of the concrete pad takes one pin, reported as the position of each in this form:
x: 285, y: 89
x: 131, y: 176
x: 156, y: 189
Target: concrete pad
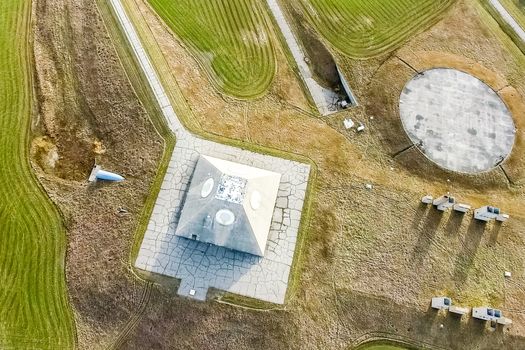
x: 200, y: 265
x: 456, y: 120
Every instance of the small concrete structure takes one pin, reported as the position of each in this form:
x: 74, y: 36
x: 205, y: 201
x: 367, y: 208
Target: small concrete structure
x: 489, y: 314
x: 457, y: 120
x: 444, y: 202
x: 502, y: 217
x: 346, y: 87
x: 507, y: 274
x: 230, y: 205
x: 486, y: 213
x: 504, y: 321
x: 445, y: 303
x: 427, y: 199
x: 441, y: 303
x: 458, y: 310
x: 462, y: 208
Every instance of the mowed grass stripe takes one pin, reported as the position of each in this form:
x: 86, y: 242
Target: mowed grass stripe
x: 34, y: 311
x: 369, y: 37
x: 392, y: 38
x: 18, y: 223
x: 367, y: 28
x: 356, y: 18
x: 230, y: 39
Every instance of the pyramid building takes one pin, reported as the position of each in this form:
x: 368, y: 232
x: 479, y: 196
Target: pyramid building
x: 230, y: 205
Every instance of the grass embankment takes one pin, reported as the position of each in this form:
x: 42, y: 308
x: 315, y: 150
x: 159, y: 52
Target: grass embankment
x: 382, y: 347
x: 229, y: 38
x: 517, y: 11
x: 34, y: 309
x: 367, y: 28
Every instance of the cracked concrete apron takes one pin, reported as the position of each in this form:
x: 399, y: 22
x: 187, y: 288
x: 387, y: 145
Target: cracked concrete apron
x: 200, y: 265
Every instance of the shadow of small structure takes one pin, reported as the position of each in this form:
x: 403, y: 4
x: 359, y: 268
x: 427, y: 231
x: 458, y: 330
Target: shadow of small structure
x: 466, y: 257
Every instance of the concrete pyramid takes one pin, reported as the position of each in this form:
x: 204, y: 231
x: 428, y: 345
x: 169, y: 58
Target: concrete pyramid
x: 229, y: 204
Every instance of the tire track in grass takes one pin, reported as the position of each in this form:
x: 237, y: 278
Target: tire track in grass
x: 135, y: 318
x: 34, y: 310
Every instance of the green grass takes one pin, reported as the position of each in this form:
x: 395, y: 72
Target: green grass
x: 385, y: 344
x: 34, y: 309
x: 230, y: 38
x: 367, y: 28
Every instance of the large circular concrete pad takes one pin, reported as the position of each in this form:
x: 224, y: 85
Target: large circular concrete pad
x: 456, y: 120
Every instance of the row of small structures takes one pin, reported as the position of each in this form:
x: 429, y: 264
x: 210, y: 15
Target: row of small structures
x: 485, y: 213
x: 484, y: 313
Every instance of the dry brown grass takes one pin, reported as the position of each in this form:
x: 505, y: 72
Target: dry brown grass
x: 372, y: 259
x: 88, y: 111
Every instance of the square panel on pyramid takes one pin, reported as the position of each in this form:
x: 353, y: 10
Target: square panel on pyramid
x: 230, y: 205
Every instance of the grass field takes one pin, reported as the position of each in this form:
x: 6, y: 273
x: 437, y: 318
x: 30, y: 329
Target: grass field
x: 229, y: 37
x: 34, y: 310
x: 357, y: 271
x: 367, y: 28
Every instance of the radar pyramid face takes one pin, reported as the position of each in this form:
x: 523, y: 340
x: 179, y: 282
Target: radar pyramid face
x: 230, y: 205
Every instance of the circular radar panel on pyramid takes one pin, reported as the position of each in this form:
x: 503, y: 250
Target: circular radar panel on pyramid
x: 225, y: 217
x: 457, y: 120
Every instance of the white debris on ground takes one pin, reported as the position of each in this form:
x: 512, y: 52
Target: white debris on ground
x: 348, y: 123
